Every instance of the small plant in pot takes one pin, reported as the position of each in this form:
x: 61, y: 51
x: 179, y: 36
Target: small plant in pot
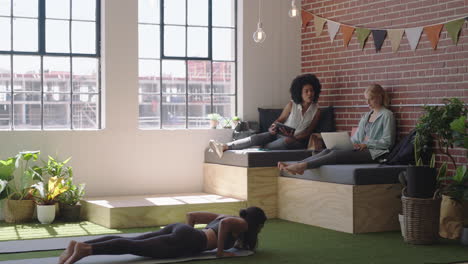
x: 214, y: 120
x: 45, y: 195
x: 69, y: 201
x: 16, y: 178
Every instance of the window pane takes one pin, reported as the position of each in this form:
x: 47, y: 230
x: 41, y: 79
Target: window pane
x: 5, y: 73
x: 173, y: 74
x: 5, y: 8
x: 198, y: 117
x: 84, y: 9
x: 58, y: 9
x: 149, y: 111
x: 224, y: 77
x: 173, y: 111
x: 5, y: 28
x: 57, y: 36
x: 148, y: 11
x: 174, y: 41
x: 25, y: 37
x: 85, y: 111
x: 148, y: 41
x: 224, y: 105
x: 27, y: 73
x: 223, y: 44
x: 85, y: 75
x: 83, y: 37
x: 27, y: 111
x: 56, y: 74
x: 5, y: 110
x: 198, y: 12
x: 223, y: 13
x: 199, y: 77
x: 149, y: 76
x: 25, y: 8
x: 174, y: 12
x: 197, y: 42
x: 56, y: 111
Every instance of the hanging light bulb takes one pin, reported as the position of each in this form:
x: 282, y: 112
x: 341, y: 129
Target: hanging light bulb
x: 293, y: 11
x: 259, y: 35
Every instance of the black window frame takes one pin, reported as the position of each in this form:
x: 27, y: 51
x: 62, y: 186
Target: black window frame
x: 42, y: 53
x: 186, y: 58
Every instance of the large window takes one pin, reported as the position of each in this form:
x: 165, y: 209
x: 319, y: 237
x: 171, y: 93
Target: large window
x: 49, y: 64
x: 187, y: 62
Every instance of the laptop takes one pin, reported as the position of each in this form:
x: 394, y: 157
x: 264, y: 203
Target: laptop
x: 337, y: 140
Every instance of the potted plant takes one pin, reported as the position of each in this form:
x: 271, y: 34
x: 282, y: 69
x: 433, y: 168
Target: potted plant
x: 69, y: 201
x: 235, y: 120
x: 16, y: 177
x: 214, y: 120
x: 45, y: 194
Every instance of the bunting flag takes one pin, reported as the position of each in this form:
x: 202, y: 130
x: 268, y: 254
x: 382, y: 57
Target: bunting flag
x: 433, y: 33
x: 362, y: 35
x: 379, y: 37
x: 395, y: 36
x: 333, y: 28
x: 319, y: 23
x: 453, y: 29
x: 347, y: 32
x: 413, y: 35
x: 306, y: 17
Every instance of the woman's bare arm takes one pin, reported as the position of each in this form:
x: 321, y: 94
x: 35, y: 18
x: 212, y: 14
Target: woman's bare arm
x: 200, y: 217
x: 285, y: 113
x: 226, y: 226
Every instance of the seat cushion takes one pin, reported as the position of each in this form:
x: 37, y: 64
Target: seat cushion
x: 255, y: 157
x: 353, y: 174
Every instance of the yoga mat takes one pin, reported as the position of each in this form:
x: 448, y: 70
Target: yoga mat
x: 30, y: 245
x: 129, y: 259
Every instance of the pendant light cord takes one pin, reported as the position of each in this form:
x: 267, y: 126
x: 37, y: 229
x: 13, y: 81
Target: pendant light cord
x: 259, y: 7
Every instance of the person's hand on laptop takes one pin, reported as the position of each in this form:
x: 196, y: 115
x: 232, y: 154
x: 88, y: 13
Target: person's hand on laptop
x: 360, y: 146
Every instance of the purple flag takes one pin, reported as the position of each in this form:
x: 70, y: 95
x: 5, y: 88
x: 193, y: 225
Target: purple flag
x: 379, y: 37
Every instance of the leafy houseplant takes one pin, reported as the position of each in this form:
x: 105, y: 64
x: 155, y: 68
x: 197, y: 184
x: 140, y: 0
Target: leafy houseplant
x: 214, y: 119
x: 16, y: 178
x: 235, y: 120
x: 69, y: 201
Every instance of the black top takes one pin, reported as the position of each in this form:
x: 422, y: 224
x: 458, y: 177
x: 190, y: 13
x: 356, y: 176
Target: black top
x: 230, y: 239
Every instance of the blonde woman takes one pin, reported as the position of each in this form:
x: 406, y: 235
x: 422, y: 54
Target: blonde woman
x: 372, y: 141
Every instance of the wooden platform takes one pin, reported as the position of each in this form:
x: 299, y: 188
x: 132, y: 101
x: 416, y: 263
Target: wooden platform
x: 155, y: 210
x: 341, y: 207
x: 257, y: 186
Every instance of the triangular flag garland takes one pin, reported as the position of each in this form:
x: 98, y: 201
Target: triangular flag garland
x: 333, y: 28
x: 395, y: 35
x: 319, y: 23
x: 453, y: 29
x: 379, y: 37
x: 433, y: 33
x: 362, y: 35
x: 413, y: 35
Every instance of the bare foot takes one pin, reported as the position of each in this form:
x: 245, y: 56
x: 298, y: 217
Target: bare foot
x: 281, y: 165
x: 296, y: 168
x: 81, y: 250
x: 67, y: 252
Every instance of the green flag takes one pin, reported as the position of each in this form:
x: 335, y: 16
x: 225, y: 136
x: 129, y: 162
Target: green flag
x: 453, y: 29
x: 362, y: 35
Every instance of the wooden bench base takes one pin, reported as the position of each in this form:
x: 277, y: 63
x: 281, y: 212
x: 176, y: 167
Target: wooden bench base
x: 341, y: 207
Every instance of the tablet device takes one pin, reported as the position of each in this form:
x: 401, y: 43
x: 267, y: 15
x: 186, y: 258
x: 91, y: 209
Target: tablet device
x: 288, y: 129
x: 337, y: 140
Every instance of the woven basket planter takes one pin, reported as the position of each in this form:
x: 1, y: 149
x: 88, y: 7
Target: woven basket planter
x: 421, y: 217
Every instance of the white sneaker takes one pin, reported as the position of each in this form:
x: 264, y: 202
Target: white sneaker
x: 217, y: 147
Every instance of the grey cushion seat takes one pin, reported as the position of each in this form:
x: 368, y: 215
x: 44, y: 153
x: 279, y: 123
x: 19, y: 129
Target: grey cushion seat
x: 251, y: 158
x: 353, y: 174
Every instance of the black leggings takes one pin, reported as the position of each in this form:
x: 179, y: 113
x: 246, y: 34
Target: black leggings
x: 329, y: 157
x: 175, y: 240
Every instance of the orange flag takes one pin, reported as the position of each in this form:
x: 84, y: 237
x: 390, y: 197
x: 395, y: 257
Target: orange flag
x: 347, y: 34
x: 306, y: 17
x: 433, y: 33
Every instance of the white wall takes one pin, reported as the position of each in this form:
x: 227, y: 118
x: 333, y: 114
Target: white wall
x: 122, y: 160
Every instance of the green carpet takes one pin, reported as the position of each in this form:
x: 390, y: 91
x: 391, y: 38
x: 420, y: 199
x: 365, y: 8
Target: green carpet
x: 286, y: 242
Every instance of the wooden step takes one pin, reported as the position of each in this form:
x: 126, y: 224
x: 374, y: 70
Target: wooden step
x: 155, y: 210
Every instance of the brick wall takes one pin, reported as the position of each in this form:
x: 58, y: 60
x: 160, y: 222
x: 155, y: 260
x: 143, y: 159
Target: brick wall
x: 413, y: 78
